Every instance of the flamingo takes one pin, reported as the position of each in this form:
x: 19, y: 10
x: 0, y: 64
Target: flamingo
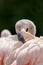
x: 10, y: 44
x: 31, y: 52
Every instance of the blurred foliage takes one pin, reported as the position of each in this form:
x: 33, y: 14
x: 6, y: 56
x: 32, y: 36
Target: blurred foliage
x: 13, y: 10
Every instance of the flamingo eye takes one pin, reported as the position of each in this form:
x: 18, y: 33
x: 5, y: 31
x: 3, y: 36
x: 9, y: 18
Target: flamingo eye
x: 27, y: 30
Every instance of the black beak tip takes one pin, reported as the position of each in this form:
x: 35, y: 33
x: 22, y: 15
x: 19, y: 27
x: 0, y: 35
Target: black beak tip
x: 21, y: 38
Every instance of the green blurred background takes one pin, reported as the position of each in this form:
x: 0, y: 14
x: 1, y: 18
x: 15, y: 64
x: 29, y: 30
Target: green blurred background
x: 13, y: 10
